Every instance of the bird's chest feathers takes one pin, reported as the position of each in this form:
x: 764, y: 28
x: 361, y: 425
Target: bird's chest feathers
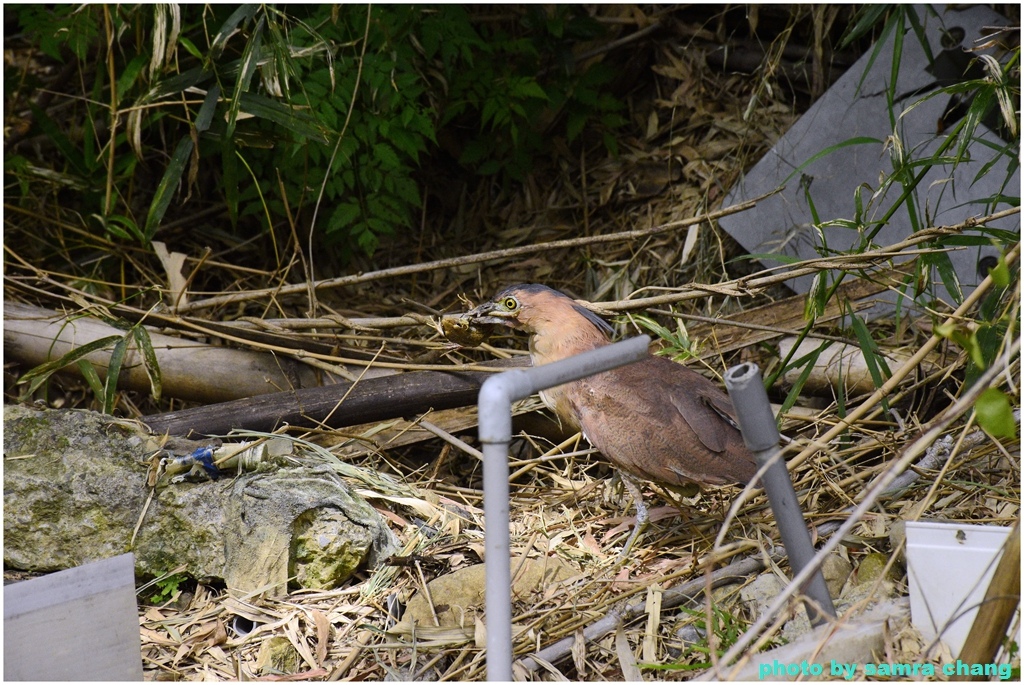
x: 545, y: 349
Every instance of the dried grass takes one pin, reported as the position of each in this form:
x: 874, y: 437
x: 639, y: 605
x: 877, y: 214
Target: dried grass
x: 689, y: 145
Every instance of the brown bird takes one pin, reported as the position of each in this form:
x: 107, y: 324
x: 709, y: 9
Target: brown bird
x: 655, y: 420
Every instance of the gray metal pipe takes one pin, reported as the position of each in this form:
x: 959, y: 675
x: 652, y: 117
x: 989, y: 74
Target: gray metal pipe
x: 495, y: 407
x: 761, y: 435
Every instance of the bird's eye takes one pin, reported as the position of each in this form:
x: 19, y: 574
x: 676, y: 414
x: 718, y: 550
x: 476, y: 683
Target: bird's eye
x: 510, y: 303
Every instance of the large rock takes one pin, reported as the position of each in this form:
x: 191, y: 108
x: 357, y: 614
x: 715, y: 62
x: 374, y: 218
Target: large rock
x: 75, y: 490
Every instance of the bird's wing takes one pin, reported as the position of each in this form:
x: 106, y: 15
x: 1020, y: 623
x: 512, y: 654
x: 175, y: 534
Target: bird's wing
x: 697, y: 410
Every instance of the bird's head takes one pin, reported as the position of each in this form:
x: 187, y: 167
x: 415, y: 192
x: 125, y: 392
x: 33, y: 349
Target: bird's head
x: 537, y: 309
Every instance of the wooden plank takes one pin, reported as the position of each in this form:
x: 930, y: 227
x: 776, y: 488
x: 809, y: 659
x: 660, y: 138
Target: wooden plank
x: 78, y: 624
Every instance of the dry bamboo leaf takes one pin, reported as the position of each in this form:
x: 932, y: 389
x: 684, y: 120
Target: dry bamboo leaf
x: 653, y: 609
x: 627, y: 662
x: 420, y: 506
x: 323, y: 635
x: 295, y: 637
x: 579, y: 654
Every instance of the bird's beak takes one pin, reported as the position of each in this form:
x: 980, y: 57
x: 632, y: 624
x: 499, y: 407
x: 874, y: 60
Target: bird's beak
x: 487, y: 313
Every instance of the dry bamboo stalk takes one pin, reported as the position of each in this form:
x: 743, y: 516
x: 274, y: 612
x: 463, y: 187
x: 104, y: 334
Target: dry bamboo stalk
x: 997, y: 609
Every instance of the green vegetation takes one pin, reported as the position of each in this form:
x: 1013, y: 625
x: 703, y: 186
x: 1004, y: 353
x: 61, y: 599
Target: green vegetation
x: 119, y: 345
x: 988, y: 97
x: 275, y: 111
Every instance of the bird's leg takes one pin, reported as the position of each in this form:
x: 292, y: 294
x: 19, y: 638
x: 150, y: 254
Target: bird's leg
x: 641, y: 514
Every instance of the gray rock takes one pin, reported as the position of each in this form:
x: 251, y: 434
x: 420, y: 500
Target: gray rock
x: 836, y: 571
x: 75, y: 489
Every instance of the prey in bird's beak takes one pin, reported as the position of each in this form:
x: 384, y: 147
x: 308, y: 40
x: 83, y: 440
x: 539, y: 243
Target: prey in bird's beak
x: 472, y: 328
x: 488, y: 312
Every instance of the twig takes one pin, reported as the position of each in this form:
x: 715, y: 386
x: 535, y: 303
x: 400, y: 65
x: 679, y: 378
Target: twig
x: 935, y: 455
x: 671, y: 598
x: 964, y: 404
x: 750, y: 285
x: 473, y: 258
x: 452, y: 440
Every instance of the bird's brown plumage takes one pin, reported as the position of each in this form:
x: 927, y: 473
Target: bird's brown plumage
x: 655, y: 419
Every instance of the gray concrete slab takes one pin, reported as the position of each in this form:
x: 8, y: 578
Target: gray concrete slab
x: 78, y: 624
x: 783, y: 223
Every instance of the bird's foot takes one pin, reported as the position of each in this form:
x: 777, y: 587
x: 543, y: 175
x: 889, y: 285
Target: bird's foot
x: 642, y: 518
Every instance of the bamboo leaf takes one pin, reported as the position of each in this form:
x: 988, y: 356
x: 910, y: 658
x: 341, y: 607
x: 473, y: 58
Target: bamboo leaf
x: 250, y: 59
x: 173, y: 85
x: 877, y: 50
x: 205, y: 115
x: 872, y: 356
x: 41, y: 373
x: 229, y: 167
x: 922, y: 37
x: 296, y: 120
x: 808, y: 361
x: 228, y: 28
x: 867, y: 16
x: 149, y: 360
x: 168, y: 185
x: 817, y: 296
x: 942, y: 262
x: 117, y: 356
x: 128, y: 76
x: 91, y: 377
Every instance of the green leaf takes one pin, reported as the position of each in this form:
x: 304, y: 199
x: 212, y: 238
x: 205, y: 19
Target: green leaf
x: 190, y: 47
x: 919, y: 31
x: 56, y: 135
x: 877, y: 50
x: 867, y: 16
x: 91, y: 377
x: 229, y: 167
x: 873, y: 357
x: 767, y: 256
x: 344, y: 214
x: 980, y: 106
x: 168, y: 185
x: 817, y: 296
x: 1000, y: 273
x: 808, y: 361
x: 117, y: 356
x: 250, y: 59
x: 41, y: 373
x: 129, y: 75
x: 386, y: 156
x: 145, y: 345
x: 528, y: 88
x: 17, y: 166
x: 121, y: 226
x: 995, y: 414
x: 850, y: 142
x: 894, y: 70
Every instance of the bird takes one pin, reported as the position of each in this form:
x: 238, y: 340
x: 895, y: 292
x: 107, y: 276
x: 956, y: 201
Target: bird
x: 655, y: 420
